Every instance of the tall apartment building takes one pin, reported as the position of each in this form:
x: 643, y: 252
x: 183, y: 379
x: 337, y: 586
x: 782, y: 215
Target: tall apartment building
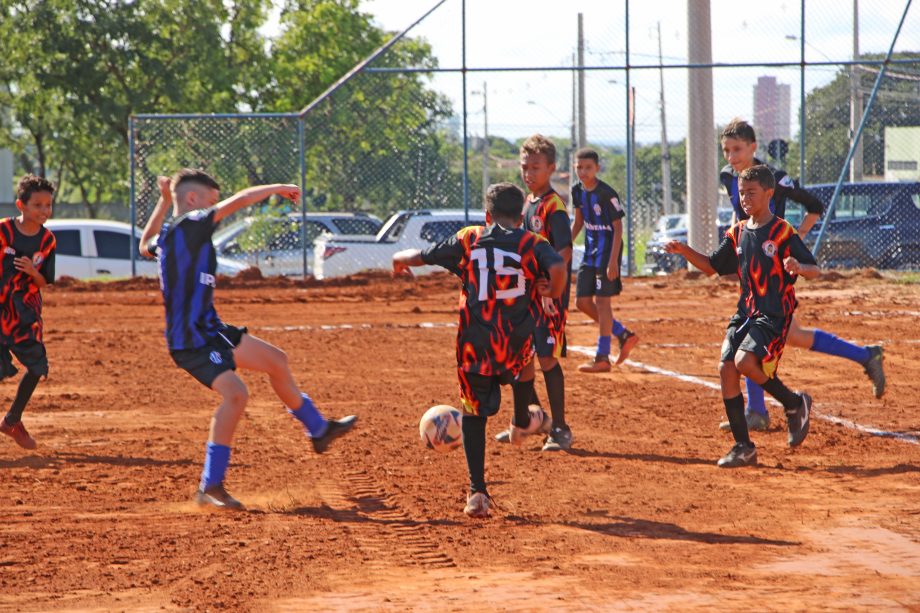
x: 771, y: 111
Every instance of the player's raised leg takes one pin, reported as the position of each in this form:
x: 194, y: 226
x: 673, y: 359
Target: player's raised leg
x: 796, y: 405
x: 253, y: 353
x: 869, y: 357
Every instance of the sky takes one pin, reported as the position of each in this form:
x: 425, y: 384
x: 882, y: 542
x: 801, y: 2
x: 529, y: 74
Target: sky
x: 543, y: 33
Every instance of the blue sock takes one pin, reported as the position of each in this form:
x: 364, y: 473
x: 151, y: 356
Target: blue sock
x: 310, y: 417
x: 755, y: 402
x: 603, y: 345
x: 831, y: 345
x: 618, y: 328
x: 216, y: 460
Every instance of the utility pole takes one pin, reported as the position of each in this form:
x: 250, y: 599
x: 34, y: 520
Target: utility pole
x: 702, y: 181
x: 574, y: 137
x: 485, y: 141
x: 856, y: 102
x: 582, y: 128
x: 665, y: 148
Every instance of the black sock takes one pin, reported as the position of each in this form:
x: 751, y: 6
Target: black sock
x: 789, y: 399
x: 555, y: 390
x: 474, y: 446
x: 523, y: 392
x: 23, y: 395
x: 734, y: 408
x: 534, y: 399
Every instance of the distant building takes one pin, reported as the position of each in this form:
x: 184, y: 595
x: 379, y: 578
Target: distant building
x: 771, y: 111
x: 7, y: 188
x: 902, y: 153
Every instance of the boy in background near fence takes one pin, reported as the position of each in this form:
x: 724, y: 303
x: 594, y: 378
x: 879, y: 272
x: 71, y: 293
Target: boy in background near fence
x: 739, y: 145
x: 505, y: 270
x: 598, y: 210
x: 767, y: 255
x: 199, y: 342
x: 28, y: 266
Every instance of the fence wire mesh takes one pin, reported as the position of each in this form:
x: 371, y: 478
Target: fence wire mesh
x: 393, y: 157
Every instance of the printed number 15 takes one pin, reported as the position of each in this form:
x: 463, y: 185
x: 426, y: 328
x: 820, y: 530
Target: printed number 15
x: 482, y: 257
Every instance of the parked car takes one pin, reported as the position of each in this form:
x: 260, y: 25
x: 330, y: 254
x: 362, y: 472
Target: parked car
x: 90, y: 248
x: 274, y: 247
x: 337, y: 256
x: 873, y: 225
x: 674, y: 227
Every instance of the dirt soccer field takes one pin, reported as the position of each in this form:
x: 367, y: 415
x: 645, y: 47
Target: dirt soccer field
x: 637, y: 517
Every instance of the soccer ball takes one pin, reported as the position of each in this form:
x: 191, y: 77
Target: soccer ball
x: 440, y: 428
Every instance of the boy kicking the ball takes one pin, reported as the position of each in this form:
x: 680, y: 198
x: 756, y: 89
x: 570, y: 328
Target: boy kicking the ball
x: 767, y: 255
x: 199, y: 342
x: 504, y: 270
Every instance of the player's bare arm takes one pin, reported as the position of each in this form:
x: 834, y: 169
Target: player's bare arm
x: 555, y: 285
x: 578, y: 224
x: 613, y: 266
x: 794, y: 267
x: 807, y: 224
x: 253, y: 195
x: 156, y: 218
x: 693, y: 256
x: 404, y: 260
x: 25, y: 264
x: 566, y: 253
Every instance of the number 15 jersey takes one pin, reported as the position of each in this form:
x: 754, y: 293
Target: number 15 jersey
x: 498, y: 268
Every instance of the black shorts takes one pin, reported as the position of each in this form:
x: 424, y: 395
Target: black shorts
x: 765, y: 337
x: 549, y: 342
x: 208, y: 362
x: 30, y: 354
x: 482, y: 394
x: 593, y: 281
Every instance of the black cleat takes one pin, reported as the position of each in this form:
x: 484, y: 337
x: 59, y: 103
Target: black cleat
x: 875, y: 370
x: 559, y: 439
x: 798, y: 421
x: 742, y: 454
x: 217, y: 497
x: 334, y: 429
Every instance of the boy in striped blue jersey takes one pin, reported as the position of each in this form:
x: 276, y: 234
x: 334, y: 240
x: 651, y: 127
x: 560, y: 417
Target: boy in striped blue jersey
x: 199, y: 342
x: 597, y: 208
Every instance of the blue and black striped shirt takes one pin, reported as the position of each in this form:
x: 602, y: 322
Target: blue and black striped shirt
x: 599, y: 207
x: 187, y: 265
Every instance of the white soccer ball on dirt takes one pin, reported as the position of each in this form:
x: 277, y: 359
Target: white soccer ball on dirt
x: 441, y: 429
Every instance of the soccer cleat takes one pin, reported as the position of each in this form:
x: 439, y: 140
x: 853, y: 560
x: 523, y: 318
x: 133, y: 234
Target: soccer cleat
x: 504, y: 436
x: 18, y: 433
x: 477, y: 505
x: 598, y: 364
x: 798, y: 421
x: 334, y: 429
x: 757, y: 422
x: 875, y: 370
x: 217, y: 497
x: 628, y: 341
x: 559, y: 439
x: 742, y: 454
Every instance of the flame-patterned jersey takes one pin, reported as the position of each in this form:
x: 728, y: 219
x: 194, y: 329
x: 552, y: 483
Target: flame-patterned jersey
x: 757, y: 255
x: 20, y: 298
x: 498, y: 268
x: 548, y: 217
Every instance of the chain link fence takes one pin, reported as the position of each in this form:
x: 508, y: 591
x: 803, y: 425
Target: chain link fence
x: 397, y: 154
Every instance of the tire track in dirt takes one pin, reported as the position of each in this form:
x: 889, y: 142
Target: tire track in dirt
x: 382, y: 530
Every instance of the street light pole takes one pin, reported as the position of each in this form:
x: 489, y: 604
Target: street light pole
x: 665, y: 149
x: 856, y: 103
x: 485, y: 140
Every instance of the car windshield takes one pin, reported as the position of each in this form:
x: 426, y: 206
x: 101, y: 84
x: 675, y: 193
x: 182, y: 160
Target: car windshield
x: 393, y: 228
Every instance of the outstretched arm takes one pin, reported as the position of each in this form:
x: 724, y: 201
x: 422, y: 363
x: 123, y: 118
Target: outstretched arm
x: 693, y: 256
x: 156, y: 218
x: 794, y: 267
x: 252, y: 195
x: 404, y: 260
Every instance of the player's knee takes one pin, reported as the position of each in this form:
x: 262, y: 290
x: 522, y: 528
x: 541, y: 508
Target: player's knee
x: 746, y: 362
x: 235, y: 395
x: 727, y: 369
x: 548, y: 363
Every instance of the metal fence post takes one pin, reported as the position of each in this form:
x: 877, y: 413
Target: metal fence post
x: 133, y: 246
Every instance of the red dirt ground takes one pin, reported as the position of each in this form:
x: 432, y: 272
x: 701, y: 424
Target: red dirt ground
x: 637, y: 517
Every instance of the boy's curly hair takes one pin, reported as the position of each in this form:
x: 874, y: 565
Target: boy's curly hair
x: 539, y: 144
x: 31, y: 184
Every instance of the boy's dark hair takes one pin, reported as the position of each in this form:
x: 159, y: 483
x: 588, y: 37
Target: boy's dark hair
x: 194, y: 175
x: 505, y: 201
x: 740, y: 129
x: 760, y: 173
x: 586, y: 153
x: 539, y: 144
x: 30, y: 184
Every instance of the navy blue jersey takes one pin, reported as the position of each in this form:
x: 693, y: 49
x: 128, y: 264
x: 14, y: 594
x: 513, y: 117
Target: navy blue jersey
x: 599, y: 208
x: 786, y: 188
x: 187, y: 265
